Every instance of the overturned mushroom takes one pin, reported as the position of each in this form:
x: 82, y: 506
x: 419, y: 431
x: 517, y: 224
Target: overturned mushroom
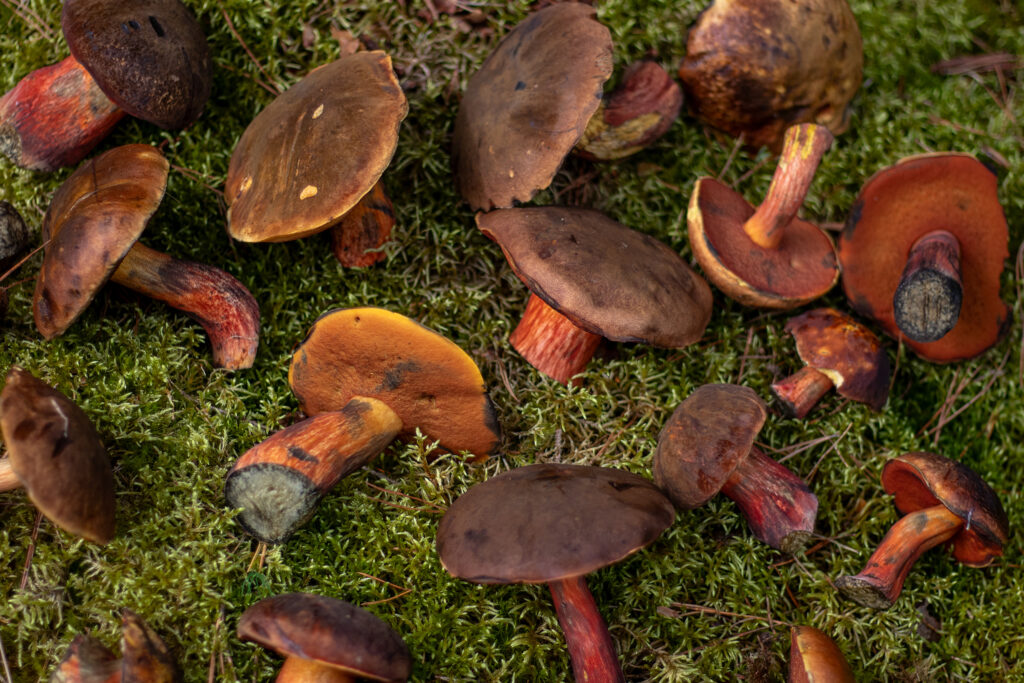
x: 815, y: 658
x: 145, y: 658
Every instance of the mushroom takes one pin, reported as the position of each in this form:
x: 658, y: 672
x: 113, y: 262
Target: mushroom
x: 147, y: 58
x: 707, y: 446
x: 54, y: 452
x: 357, y: 238
x: 365, y: 376
x: 942, y: 501
x: 145, y: 658
x: 325, y: 640
x: 554, y: 524
x: 839, y: 352
x: 14, y: 236
x: 753, y: 69
x: 923, y: 251
x: 814, y: 658
x: 592, y: 277
x: 92, y: 226
x: 766, y: 257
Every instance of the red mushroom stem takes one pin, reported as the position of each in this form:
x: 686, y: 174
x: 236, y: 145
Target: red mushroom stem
x: 801, y: 391
x: 55, y: 116
x: 778, y: 505
x: 927, y: 301
x: 216, y: 300
x: 357, y: 238
x: 586, y: 633
x: 552, y: 343
x: 880, y: 582
x: 803, y: 147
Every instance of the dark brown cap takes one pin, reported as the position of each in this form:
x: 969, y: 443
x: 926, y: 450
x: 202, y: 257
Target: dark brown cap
x: 145, y: 657
x: 815, y: 658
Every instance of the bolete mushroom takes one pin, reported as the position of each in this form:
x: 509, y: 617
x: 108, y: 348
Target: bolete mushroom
x: 365, y: 376
x: 147, y: 58
x: 815, y: 658
x: 753, y: 69
x: 325, y: 640
x: 145, y: 658
x: 53, y: 451
x: 766, y: 257
x: 554, y: 524
x: 942, y: 502
x: 93, y: 225
x: 839, y: 352
x: 707, y: 446
x: 14, y: 236
x: 592, y: 277
x: 923, y: 251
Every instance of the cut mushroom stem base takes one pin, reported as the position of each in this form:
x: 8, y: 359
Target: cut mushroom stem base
x: 778, y: 505
x: 926, y: 305
x: 299, y: 670
x: 801, y: 391
x: 880, y: 582
x: 586, y: 633
x: 552, y: 343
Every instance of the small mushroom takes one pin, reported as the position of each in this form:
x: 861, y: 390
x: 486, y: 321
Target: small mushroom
x: 815, y: 658
x: 707, y: 446
x: 942, y: 501
x: 147, y: 58
x: 93, y: 225
x: 554, y: 524
x: 766, y: 257
x: 365, y: 376
x: 839, y: 352
x: 923, y: 252
x: 14, y: 236
x: 54, y: 452
x: 145, y: 658
x: 592, y: 277
x: 753, y: 69
x: 325, y: 640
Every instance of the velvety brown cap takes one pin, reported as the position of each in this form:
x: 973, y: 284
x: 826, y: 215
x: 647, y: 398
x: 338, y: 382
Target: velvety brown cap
x: 329, y: 631
x: 548, y: 522
x: 704, y: 440
x: 919, y: 480
x: 606, y: 278
x: 313, y: 153
x: 145, y: 657
x: 57, y: 455
x: 94, y: 219
x: 815, y: 658
x: 529, y: 103
x: 149, y: 56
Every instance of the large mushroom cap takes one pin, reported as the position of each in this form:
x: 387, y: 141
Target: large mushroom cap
x: 94, y: 219
x: 920, y: 480
x: 606, y: 278
x: 705, y: 440
x: 529, y: 103
x: 425, y: 378
x: 548, y: 522
x: 57, y: 455
x: 313, y: 153
x: 149, y: 56
x: 332, y: 632
x: 900, y: 204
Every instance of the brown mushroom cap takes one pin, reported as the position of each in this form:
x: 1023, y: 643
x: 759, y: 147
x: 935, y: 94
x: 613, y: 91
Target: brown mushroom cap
x: 149, y: 56
x: 281, y: 185
x: 606, y: 278
x: 708, y: 435
x: 429, y: 381
x: 920, y: 480
x: 850, y: 355
x: 900, y: 204
x: 755, y: 68
x: 815, y: 658
x: 87, y: 660
x: 334, y: 633
x: 144, y: 655
x: 94, y: 219
x: 529, y: 103
x: 57, y: 456
x: 547, y: 522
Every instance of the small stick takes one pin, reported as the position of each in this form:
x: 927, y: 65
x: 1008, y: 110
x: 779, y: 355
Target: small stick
x: 231, y: 26
x: 31, y: 550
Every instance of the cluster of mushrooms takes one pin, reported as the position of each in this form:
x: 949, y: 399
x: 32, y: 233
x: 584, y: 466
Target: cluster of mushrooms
x: 921, y: 256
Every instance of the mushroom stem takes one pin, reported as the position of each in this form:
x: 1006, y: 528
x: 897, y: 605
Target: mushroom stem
x: 54, y: 116
x: 778, y: 505
x: 216, y: 300
x: 8, y: 479
x: 299, y: 670
x: 801, y: 391
x: 551, y: 342
x: 358, y: 236
x: 927, y: 301
x: 586, y: 633
x: 880, y: 582
x: 803, y: 147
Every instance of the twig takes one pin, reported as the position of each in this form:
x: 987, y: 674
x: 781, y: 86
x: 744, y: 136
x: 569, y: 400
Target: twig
x: 213, y: 647
x: 3, y: 660
x: 197, y: 177
x: 743, y: 358
x: 832, y: 447
x: 231, y: 26
x: 732, y: 155
x: 723, y: 613
x: 31, y: 550
x: 20, y: 263
x: 1019, y: 268
x: 799, y: 448
x: 261, y: 553
x: 404, y: 591
x: 976, y: 63
x: 30, y: 17
x: 405, y: 495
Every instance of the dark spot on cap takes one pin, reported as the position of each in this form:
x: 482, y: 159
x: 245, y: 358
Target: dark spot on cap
x: 520, y: 85
x: 157, y: 28
x: 24, y: 429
